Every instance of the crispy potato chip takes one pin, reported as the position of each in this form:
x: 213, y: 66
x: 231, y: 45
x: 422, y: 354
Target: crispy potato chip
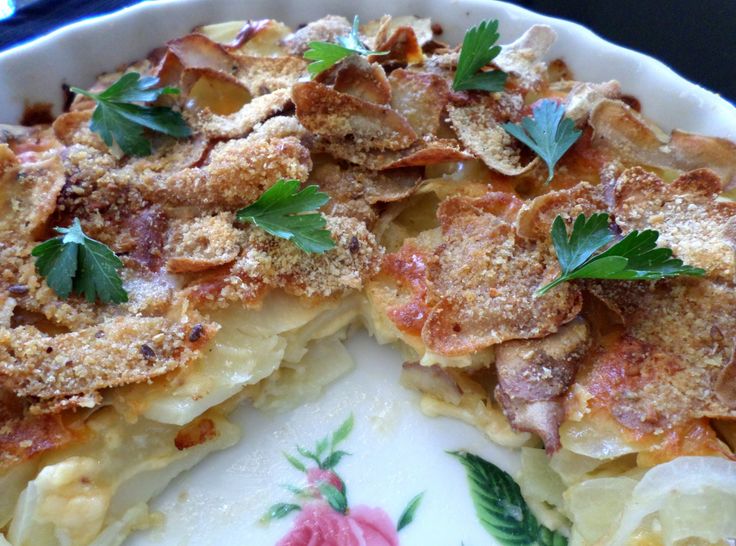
x: 638, y: 140
x: 216, y: 92
x: 367, y: 81
x: 420, y: 154
x: 400, y: 43
x: 485, y: 277
x: 262, y: 75
x: 421, y: 98
x: 479, y: 127
x: 524, y: 57
x: 322, y: 30
x: 536, y: 216
x: 198, y: 51
x: 690, y: 220
x: 387, y: 25
x: 78, y: 364
x: 202, y: 243
x: 338, y: 117
x: 28, y: 196
x: 243, y: 121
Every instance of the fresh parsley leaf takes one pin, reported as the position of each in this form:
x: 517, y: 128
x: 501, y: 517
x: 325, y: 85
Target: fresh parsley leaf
x: 118, y: 120
x: 290, y: 214
x: 407, y: 516
x: 334, y: 497
x: 326, y: 55
x: 75, y: 263
x: 501, y: 508
x: 635, y: 257
x: 548, y: 132
x: 479, y: 49
x: 280, y: 510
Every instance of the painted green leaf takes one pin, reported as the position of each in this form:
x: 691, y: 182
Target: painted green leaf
x: 280, y: 510
x: 304, y: 452
x: 500, y: 507
x: 343, y: 431
x: 296, y: 463
x: 334, y: 497
x: 407, y: 515
x: 333, y: 459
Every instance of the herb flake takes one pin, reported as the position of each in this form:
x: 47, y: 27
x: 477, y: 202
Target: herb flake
x: 635, y: 257
x: 325, y: 55
x: 548, y: 132
x: 118, y: 119
x: 479, y: 49
x: 285, y: 212
x: 75, y: 263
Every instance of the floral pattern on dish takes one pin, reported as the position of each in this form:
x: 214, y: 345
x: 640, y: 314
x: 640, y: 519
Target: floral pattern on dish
x: 325, y: 517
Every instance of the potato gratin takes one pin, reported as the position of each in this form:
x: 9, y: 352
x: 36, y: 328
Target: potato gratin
x: 440, y: 233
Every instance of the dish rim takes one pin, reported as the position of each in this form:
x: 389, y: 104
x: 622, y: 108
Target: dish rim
x: 152, y: 7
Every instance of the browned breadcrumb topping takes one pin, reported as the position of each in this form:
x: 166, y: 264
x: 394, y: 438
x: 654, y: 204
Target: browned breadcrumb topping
x: 202, y: 243
x: 115, y: 352
x: 700, y: 230
x: 484, y: 278
x: 279, y: 263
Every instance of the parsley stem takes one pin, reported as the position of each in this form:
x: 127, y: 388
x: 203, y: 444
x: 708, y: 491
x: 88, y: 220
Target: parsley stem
x: 546, y: 288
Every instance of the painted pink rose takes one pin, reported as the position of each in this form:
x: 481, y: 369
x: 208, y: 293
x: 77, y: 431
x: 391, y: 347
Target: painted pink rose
x: 319, y: 525
x: 316, y: 476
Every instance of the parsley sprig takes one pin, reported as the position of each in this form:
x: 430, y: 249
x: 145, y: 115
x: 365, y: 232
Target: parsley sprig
x: 479, y: 49
x: 290, y: 214
x: 75, y: 263
x: 635, y: 257
x: 118, y: 119
x: 326, y: 55
x: 548, y: 132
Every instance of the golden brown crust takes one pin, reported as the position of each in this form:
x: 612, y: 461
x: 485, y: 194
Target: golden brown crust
x: 367, y: 81
x: 421, y: 98
x: 202, y: 243
x: 237, y: 173
x: 78, y: 364
x: 484, y: 278
x: 687, y: 214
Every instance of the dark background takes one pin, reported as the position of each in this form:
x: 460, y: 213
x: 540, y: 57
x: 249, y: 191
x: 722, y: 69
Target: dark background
x: 695, y: 37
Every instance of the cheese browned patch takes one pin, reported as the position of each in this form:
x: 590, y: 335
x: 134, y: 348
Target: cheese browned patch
x: 484, y: 280
x: 23, y: 436
x: 700, y: 229
x: 678, y: 340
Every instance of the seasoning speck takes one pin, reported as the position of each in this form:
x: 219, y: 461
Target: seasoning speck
x: 18, y: 289
x: 148, y: 353
x: 196, y: 333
